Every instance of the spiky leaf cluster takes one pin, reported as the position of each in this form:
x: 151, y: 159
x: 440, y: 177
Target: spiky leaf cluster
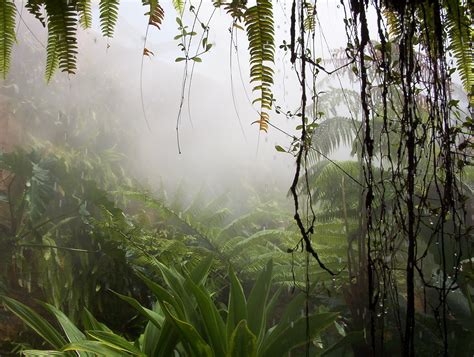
x: 260, y: 33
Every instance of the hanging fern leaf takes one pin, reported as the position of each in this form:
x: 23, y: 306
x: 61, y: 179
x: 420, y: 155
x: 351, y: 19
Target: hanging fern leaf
x: 179, y: 6
x: 62, y: 39
x: 108, y: 16
x: 52, y: 59
x: 461, y: 36
x: 156, y: 14
x: 84, y: 9
x: 260, y: 33
x: 7, y: 34
x: 34, y: 8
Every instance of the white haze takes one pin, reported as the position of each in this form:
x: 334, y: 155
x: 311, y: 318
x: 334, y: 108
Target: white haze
x: 215, y: 151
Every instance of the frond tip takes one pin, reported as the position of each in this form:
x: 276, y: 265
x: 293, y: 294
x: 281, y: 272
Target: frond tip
x: 263, y: 121
x: 7, y: 34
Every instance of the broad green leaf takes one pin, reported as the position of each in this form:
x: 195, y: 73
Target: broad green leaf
x: 149, y: 339
x: 349, y: 339
x: 162, y: 295
x: 294, y: 334
x: 212, y: 321
x: 291, y: 313
x: 152, y: 316
x: 193, y: 341
x: 90, y: 322
x: 270, y: 307
x: 199, y: 273
x: 115, y: 341
x: 242, y: 342
x: 73, y: 334
x: 237, y: 308
x: 169, y: 338
x: 258, y: 300
x: 95, y: 347
x: 36, y: 322
x: 39, y: 353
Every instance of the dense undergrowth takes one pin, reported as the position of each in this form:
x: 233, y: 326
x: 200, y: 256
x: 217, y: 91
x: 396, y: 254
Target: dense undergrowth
x: 93, y: 261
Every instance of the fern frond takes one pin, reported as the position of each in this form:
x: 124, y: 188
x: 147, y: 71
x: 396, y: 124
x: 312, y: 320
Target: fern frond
x: 157, y: 14
x: 394, y: 24
x: 235, y: 8
x: 179, y: 6
x: 62, y: 29
x: 34, y: 7
x: 330, y: 135
x: 52, y: 59
x: 260, y: 34
x: 309, y: 21
x: 108, y: 10
x: 461, y: 36
x: 7, y: 34
x: 84, y: 8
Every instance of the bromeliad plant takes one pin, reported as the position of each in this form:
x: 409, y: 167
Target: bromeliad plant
x: 186, y: 319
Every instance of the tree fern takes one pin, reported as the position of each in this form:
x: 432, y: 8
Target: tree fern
x: 260, y: 33
x: 108, y: 16
x: 330, y: 135
x: 62, y: 39
x: 84, y: 8
x: 7, y: 34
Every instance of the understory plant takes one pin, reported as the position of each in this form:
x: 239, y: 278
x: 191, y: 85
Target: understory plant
x: 186, y: 319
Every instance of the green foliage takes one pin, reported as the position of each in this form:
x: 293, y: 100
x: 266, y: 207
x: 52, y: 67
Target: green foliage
x: 461, y: 35
x: 260, y: 34
x: 84, y: 8
x: 186, y: 319
x: 179, y: 6
x: 7, y: 34
x: 108, y: 10
x: 62, y: 37
x: 330, y: 135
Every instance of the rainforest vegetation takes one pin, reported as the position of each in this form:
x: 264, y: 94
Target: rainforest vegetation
x: 308, y: 193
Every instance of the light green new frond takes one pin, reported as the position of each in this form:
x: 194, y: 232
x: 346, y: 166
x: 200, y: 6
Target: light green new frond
x: 108, y: 10
x: 7, y: 34
x: 260, y: 34
x: 84, y: 8
x: 179, y: 6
